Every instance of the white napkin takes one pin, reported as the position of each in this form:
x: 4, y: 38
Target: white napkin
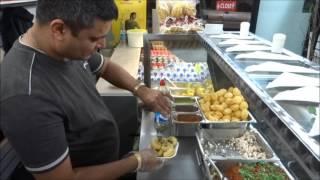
x: 304, y: 94
x: 231, y: 36
x: 245, y: 47
x: 315, y: 130
x: 260, y: 55
x: 239, y: 41
x: 293, y: 80
x: 279, y: 67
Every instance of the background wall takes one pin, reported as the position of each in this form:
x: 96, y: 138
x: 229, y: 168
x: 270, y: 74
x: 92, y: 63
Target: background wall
x: 125, y: 7
x: 283, y: 16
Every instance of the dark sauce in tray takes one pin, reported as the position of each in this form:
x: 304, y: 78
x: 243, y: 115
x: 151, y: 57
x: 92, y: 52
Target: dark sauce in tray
x: 189, y: 118
x: 256, y: 171
x: 186, y: 108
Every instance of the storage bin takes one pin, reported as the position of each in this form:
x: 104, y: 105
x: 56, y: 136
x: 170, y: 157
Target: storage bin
x: 135, y: 37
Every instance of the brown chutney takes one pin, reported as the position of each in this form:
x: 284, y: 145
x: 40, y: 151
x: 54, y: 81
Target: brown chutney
x: 189, y: 117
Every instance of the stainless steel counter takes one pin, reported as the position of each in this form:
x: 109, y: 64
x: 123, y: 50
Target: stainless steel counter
x: 184, y: 166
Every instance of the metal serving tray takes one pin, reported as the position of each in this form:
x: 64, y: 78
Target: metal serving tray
x: 178, y: 100
x: 175, y: 115
x: 186, y: 108
x: 224, y: 165
x: 216, y: 146
x: 224, y: 124
x: 181, y: 128
x: 183, y: 85
x: 213, y: 172
x: 174, y: 91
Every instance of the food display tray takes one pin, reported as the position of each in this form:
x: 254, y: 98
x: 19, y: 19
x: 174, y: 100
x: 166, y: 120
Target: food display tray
x: 225, y: 124
x: 174, y: 155
x: 211, y: 171
x: 222, y: 166
x: 178, y: 100
x: 175, y: 117
x: 216, y: 147
x: 173, y: 93
x: 185, y: 108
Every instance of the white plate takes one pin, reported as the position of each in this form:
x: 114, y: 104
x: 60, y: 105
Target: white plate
x: 293, y: 80
x: 174, y: 155
x: 231, y: 36
x: 279, y: 67
x: 246, y: 47
x: 260, y: 55
x: 239, y: 41
x: 304, y: 94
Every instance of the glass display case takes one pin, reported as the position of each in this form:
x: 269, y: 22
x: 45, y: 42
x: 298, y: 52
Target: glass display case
x: 285, y: 123
x: 289, y: 127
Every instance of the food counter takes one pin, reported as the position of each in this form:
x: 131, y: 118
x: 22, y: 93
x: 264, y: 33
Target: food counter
x: 287, y: 126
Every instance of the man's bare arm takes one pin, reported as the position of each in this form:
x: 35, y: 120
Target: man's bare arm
x: 119, y: 77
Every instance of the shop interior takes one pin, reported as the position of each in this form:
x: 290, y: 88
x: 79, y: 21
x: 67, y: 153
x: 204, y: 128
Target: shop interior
x: 243, y: 74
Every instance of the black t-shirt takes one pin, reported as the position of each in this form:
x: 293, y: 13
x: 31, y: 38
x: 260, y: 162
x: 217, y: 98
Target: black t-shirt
x: 51, y: 109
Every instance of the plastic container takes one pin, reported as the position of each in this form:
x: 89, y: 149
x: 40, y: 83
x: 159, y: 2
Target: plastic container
x: 163, y: 146
x: 135, y: 37
x: 174, y: 155
x: 162, y: 123
x: 123, y: 38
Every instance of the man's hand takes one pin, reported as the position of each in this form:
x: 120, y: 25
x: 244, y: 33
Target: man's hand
x: 154, y: 99
x: 149, y: 160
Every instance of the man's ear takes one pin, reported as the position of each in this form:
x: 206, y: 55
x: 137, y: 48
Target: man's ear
x: 58, y: 29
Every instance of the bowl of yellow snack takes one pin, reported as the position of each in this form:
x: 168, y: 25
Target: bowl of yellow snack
x: 165, y: 147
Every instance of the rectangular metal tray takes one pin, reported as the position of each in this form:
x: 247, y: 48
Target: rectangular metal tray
x: 213, y: 172
x: 219, y: 150
x: 224, y: 124
x: 177, y: 101
x: 173, y: 93
x: 183, y: 85
x: 184, y: 129
x: 224, y: 165
x: 185, y: 108
x: 175, y: 114
x: 208, y: 168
